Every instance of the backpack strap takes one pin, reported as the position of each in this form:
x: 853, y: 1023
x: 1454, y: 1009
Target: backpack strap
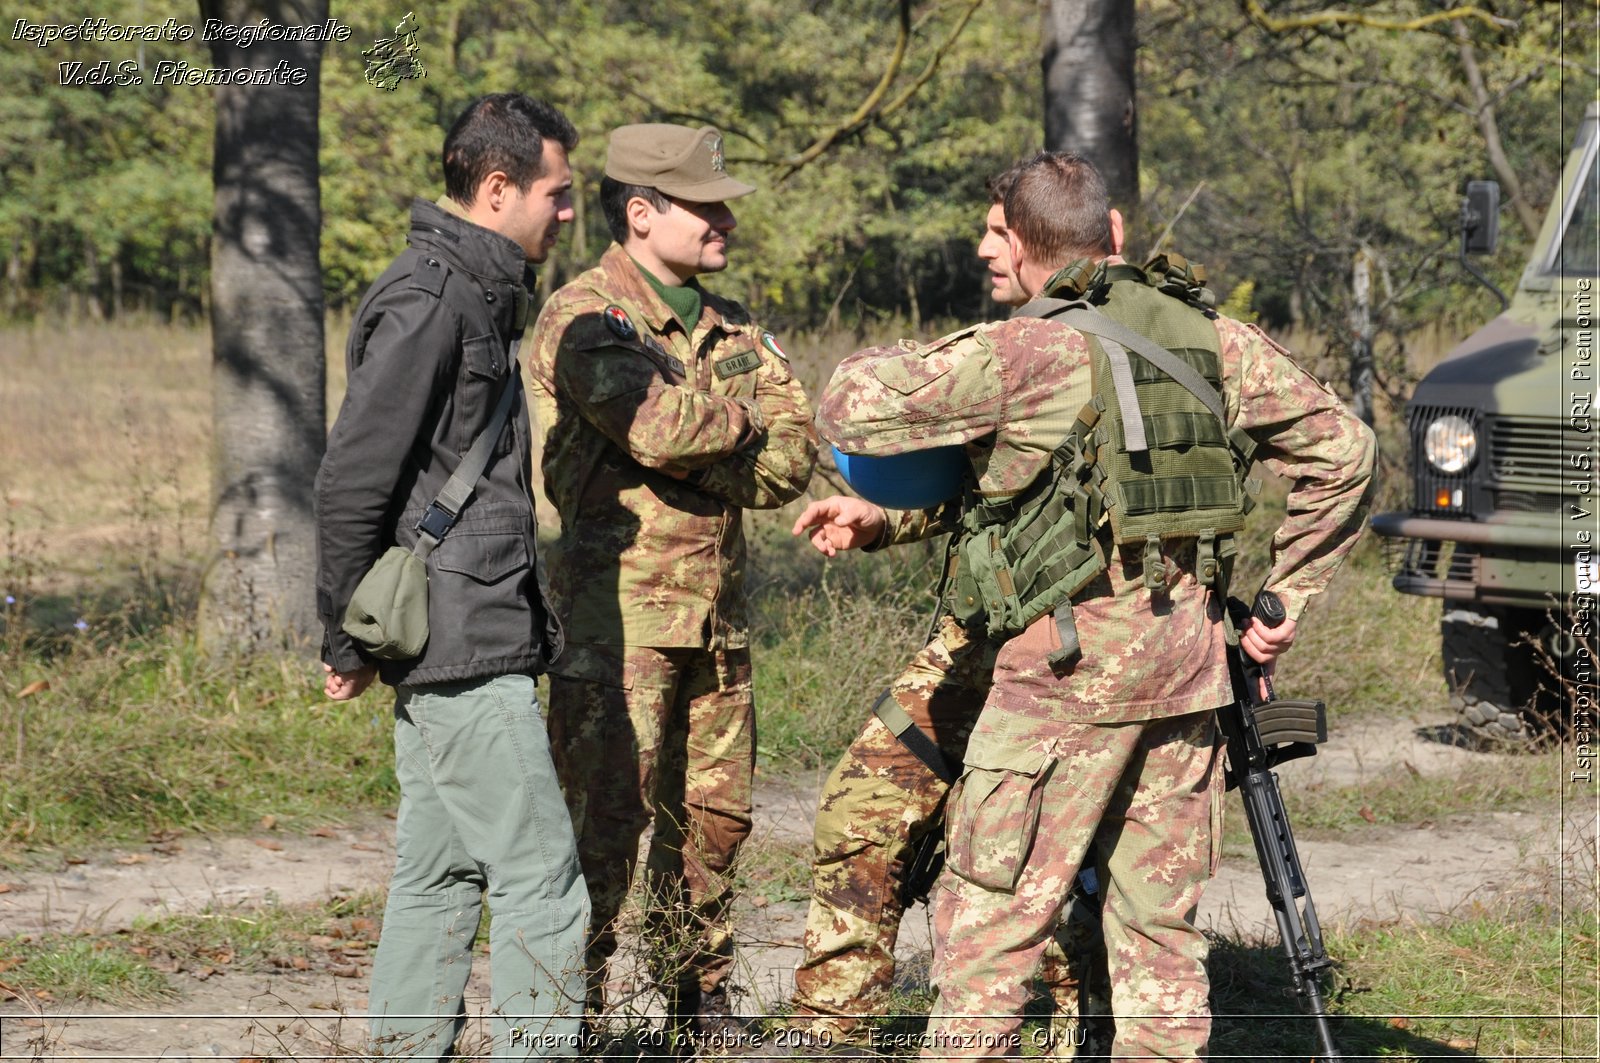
x: 1097, y: 324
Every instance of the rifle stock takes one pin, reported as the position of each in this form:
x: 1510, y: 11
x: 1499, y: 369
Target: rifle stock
x: 1262, y: 732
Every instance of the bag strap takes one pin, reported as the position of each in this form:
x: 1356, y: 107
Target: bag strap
x: 1097, y: 324
x: 446, y: 507
x: 914, y: 738
x: 1084, y: 318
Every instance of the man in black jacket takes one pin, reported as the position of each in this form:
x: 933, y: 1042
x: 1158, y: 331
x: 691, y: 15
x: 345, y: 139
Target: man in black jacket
x: 480, y: 810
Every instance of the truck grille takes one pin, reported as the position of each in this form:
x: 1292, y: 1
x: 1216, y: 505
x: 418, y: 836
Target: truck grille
x: 1532, y: 454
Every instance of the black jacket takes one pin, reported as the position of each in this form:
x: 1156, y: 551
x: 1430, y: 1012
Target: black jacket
x: 427, y: 359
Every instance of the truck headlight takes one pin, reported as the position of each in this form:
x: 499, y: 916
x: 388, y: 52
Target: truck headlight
x: 1450, y: 443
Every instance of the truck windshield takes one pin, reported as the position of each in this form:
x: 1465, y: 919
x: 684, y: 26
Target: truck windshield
x: 1580, y: 239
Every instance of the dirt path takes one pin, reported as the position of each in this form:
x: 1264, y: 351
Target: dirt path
x: 1381, y: 873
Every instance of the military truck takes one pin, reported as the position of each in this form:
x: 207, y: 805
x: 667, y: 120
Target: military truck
x: 1503, y: 465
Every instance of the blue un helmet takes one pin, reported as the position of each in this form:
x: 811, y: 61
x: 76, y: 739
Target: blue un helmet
x: 916, y: 479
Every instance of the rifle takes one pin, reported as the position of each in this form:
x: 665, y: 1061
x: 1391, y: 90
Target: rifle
x: 1263, y: 732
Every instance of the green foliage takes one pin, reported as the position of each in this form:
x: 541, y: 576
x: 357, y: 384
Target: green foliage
x: 1309, y: 147
x: 1305, y: 147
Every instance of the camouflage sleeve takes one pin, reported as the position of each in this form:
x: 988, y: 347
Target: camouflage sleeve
x: 889, y: 400
x: 915, y: 525
x: 1307, y: 435
x: 629, y: 395
x: 777, y: 467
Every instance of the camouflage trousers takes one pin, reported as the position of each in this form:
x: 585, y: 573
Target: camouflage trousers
x: 1148, y: 797
x: 642, y: 735
x: 875, y: 807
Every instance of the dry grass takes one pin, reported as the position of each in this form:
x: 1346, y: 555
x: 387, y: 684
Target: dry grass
x: 106, y: 446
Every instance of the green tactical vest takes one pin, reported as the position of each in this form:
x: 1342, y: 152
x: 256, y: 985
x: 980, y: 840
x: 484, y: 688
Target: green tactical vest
x: 1149, y: 459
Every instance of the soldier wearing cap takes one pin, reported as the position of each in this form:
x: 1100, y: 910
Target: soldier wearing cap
x: 666, y: 412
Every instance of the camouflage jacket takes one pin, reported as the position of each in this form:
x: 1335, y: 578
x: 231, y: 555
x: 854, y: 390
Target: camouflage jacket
x: 1009, y: 391
x: 654, y: 441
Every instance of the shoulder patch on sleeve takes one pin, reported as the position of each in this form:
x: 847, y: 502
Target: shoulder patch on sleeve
x: 770, y: 342
x: 429, y: 274
x: 618, y: 321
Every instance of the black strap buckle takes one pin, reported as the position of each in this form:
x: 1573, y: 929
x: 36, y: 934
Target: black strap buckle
x: 437, y: 521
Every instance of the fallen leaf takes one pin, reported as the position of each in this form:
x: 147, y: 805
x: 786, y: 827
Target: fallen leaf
x: 75, y: 860
x: 324, y: 832
x: 362, y: 925
x: 33, y: 688
x: 6, y: 965
x: 5, y: 887
x: 351, y: 971
x: 1400, y: 1022
x: 268, y: 822
x: 268, y: 843
x: 300, y: 963
x: 43, y: 994
x: 1462, y: 1042
x: 366, y: 848
x: 759, y: 902
x: 133, y: 858
x: 167, y: 849
x: 204, y: 972
x: 1366, y: 813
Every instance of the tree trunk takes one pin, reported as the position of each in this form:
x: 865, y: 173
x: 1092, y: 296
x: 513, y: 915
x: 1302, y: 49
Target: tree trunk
x: 1089, y: 90
x: 1489, y: 126
x: 267, y: 346
x: 1362, y: 335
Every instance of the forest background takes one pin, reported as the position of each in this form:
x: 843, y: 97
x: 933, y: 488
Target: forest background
x: 1273, y: 155
x: 1280, y: 143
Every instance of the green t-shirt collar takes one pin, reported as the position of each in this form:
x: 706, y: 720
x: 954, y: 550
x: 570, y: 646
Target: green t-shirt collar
x: 684, y: 301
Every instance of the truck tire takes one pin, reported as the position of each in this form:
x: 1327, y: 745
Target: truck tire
x: 1492, y: 671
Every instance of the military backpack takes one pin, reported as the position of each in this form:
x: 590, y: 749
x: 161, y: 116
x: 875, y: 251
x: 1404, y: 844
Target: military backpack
x: 1149, y: 459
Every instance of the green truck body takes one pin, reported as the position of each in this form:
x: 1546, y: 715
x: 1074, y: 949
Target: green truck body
x: 1503, y: 475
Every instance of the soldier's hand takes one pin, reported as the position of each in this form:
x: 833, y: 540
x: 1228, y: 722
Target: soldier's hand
x: 342, y: 686
x: 841, y: 523
x: 1264, y: 645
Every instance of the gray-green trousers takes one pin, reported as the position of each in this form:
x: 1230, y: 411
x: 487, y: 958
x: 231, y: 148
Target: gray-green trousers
x: 481, y: 816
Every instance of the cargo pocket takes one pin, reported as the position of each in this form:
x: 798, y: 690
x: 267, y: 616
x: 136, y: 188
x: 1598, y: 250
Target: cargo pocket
x: 483, y: 359
x: 481, y: 556
x: 994, y: 816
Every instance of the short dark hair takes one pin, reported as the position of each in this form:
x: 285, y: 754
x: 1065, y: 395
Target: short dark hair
x: 505, y: 131
x: 1059, y: 209
x: 999, y: 186
x: 614, y: 196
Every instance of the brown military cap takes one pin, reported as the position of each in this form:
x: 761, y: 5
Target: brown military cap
x: 675, y: 160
